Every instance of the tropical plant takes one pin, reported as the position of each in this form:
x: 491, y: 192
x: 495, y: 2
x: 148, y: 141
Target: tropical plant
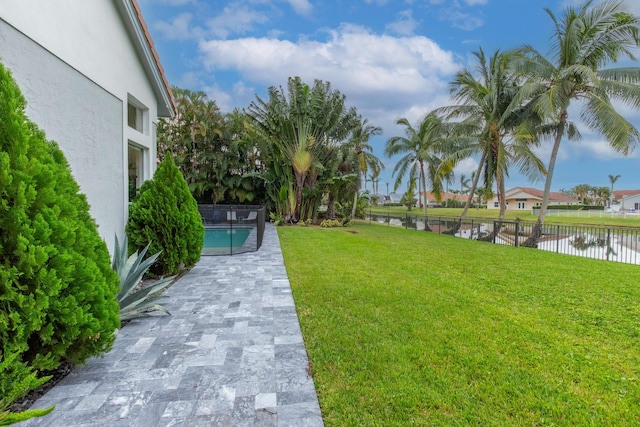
x: 136, y: 301
x: 612, y: 180
x: 301, y: 125
x: 409, y: 199
x: 422, y: 149
x: 217, y: 154
x: 585, y: 39
x: 491, y: 125
x: 57, y: 290
x: 365, y: 160
x: 581, y: 192
x: 165, y: 215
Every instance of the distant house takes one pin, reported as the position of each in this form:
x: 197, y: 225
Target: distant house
x: 629, y: 201
x: 524, y: 198
x: 625, y: 198
x: 94, y: 84
x: 393, y: 198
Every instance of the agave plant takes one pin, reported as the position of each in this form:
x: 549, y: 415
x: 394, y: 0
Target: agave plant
x: 136, y: 302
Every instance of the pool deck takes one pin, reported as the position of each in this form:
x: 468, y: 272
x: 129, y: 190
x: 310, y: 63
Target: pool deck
x: 230, y: 354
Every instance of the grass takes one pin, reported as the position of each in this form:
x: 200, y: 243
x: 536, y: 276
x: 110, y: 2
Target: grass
x: 412, y: 328
x: 511, y: 215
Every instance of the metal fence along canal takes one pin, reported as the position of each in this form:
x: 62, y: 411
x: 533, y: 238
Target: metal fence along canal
x: 603, y: 243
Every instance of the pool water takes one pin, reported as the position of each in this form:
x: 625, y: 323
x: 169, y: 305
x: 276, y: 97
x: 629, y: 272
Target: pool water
x: 220, y: 240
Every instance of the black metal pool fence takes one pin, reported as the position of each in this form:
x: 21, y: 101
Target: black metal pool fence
x: 603, y: 243
x: 232, y: 229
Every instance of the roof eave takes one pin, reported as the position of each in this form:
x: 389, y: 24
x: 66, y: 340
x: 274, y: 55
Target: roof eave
x: 132, y: 16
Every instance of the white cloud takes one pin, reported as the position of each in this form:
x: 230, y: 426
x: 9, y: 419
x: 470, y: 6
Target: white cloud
x: 462, y: 20
x: 301, y: 7
x: 385, y: 77
x: 405, y: 25
x: 466, y: 167
x: 179, y: 28
x: 235, y: 19
x: 223, y: 100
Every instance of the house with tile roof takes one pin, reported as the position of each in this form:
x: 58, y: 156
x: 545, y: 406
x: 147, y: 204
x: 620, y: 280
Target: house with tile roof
x: 93, y: 82
x: 525, y: 198
x: 627, y: 200
x: 620, y: 195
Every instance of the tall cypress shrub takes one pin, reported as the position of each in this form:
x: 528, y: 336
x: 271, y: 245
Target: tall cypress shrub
x: 57, y: 288
x: 166, y: 215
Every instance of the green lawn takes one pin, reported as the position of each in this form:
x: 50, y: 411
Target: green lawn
x: 413, y: 328
x: 565, y: 218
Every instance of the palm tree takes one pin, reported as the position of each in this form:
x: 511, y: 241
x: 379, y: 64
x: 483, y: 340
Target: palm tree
x: 585, y: 40
x: 581, y: 192
x: 612, y: 180
x: 493, y: 127
x: 301, y: 124
x: 364, y: 157
x: 421, y: 148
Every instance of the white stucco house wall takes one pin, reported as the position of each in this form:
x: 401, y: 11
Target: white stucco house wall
x: 93, y: 82
x: 525, y: 198
x: 630, y: 203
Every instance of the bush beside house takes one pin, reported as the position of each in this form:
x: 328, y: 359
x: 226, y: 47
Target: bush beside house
x: 165, y: 215
x: 57, y: 288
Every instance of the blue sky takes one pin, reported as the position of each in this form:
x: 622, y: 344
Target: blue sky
x: 390, y: 58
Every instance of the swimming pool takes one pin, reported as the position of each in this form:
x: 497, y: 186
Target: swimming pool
x: 219, y: 241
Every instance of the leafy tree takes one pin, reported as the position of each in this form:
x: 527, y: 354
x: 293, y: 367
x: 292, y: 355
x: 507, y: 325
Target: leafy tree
x: 165, y: 215
x: 492, y: 125
x: 364, y: 157
x: 217, y: 154
x: 421, y: 148
x: 57, y: 289
x: 409, y: 199
x: 581, y: 192
x: 585, y: 39
x: 193, y: 138
x: 300, y: 124
x: 612, y: 180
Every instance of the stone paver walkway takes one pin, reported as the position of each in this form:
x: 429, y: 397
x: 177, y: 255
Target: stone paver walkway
x: 231, y: 354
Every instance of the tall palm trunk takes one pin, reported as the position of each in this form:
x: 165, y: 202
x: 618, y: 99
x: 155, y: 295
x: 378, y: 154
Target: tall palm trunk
x: 423, y: 179
x: 299, y: 184
x: 355, y: 199
x: 474, y: 186
x: 331, y: 203
x: 536, y: 233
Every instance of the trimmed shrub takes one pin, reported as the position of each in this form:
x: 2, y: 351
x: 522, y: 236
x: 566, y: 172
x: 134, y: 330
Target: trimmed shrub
x: 57, y: 288
x: 165, y: 215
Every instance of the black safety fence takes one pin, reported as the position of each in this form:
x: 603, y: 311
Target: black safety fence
x: 603, y: 243
x: 232, y: 229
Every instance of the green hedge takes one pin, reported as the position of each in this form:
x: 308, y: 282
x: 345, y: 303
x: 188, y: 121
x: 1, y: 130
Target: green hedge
x: 57, y: 288
x: 166, y: 215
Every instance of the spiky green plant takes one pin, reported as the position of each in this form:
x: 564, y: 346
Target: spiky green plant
x: 136, y: 302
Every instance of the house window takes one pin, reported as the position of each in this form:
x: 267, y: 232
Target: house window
x: 636, y: 206
x: 136, y: 169
x: 522, y: 205
x: 496, y: 204
x: 137, y: 115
